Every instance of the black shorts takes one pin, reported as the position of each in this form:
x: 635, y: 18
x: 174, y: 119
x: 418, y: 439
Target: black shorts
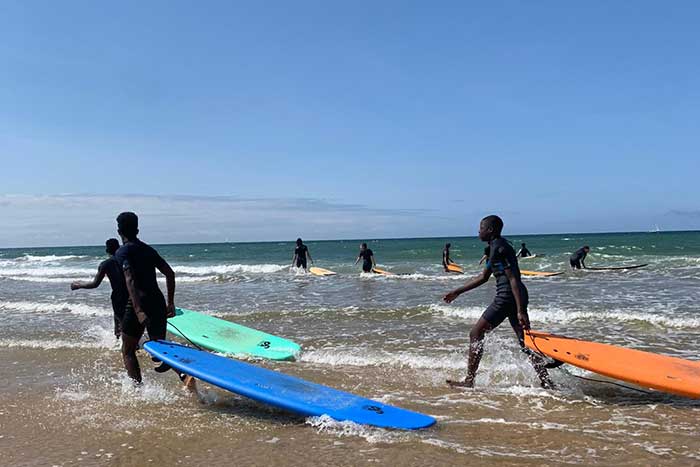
x: 301, y: 263
x: 367, y: 267
x: 575, y: 263
x: 502, y: 308
x: 119, y: 308
x: 157, y: 322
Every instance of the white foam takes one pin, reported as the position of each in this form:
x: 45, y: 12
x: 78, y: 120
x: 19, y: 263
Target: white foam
x: 326, y: 424
x: 332, y: 357
x: 62, y: 307
x: 93, y: 338
x: 222, y: 269
x: 49, y: 258
x: 47, y: 272
x: 562, y: 316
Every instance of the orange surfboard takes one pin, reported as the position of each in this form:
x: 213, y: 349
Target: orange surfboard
x: 645, y: 369
x: 455, y: 268
x: 540, y: 273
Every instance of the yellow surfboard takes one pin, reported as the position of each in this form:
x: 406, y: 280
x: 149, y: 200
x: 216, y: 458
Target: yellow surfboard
x: 382, y: 272
x: 645, y: 369
x: 540, y: 273
x: 321, y: 272
x: 455, y: 268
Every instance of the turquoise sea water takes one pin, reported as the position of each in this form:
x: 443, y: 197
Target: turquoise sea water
x: 387, y: 337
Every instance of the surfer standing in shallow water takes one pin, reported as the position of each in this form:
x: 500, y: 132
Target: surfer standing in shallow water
x: 367, y: 257
x: 146, y: 308
x: 510, y: 302
x: 301, y: 252
x: 446, y: 260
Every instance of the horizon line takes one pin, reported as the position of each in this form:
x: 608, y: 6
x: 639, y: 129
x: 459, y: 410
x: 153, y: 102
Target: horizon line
x: 369, y: 239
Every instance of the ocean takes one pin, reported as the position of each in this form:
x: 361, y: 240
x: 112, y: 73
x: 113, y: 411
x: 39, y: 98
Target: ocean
x: 65, y: 398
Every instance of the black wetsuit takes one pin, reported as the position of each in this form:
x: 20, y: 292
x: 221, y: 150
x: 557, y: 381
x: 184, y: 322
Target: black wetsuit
x: 524, y: 253
x: 502, y: 257
x: 366, y: 260
x: 300, y: 252
x: 142, y: 260
x: 577, y: 258
x: 445, y: 257
x: 120, y: 295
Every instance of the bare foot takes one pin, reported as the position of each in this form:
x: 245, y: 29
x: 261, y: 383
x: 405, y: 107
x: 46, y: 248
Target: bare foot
x: 467, y: 383
x: 190, y: 383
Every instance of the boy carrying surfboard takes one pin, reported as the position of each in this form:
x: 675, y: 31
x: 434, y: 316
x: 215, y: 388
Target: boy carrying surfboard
x: 510, y: 302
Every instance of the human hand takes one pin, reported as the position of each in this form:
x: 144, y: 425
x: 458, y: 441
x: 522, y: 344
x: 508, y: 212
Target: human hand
x: 450, y: 297
x: 524, y: 320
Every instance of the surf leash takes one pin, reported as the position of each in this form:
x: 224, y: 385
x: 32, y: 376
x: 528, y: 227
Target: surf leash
x: 557, y: 364
x: 185, y: 336
x: 165, y: 367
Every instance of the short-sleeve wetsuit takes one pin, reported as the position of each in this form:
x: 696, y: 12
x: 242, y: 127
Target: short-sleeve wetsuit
x: 502, y: 257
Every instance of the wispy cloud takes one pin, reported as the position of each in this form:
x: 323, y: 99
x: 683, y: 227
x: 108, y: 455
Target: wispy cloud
x: 692, y: 213
x: 69, y: 219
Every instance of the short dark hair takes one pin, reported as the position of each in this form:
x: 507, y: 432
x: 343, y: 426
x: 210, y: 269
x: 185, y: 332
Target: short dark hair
x: 128, y: 224
x: 112, y: 245
x: 586, y: 247
x: 364, y: 245
x: 447, y: 245
x: 522, y: 244
x: 494, y: 222
x: 299, y: 242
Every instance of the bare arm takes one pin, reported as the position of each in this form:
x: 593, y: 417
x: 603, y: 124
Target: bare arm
x: 358, y: 259
x: 89, y: 285
x: 475, y: 282
x: 515, y: 288
x: 169, y: 274
x: 294, y: 259
x: 308, y: 253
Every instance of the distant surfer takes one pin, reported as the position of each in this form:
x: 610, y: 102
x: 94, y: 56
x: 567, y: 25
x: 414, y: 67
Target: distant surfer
x: 510, y: 302
x: 446, y: 260
x: 146, y: 308
x: 487, y: 252
x: 301, y: 252
x: 523, y: 252
x: 367, y: 257
x: 120, y: 295
x: 577, y: 259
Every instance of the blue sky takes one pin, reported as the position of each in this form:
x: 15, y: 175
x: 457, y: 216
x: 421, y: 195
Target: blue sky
x: 361, y: 118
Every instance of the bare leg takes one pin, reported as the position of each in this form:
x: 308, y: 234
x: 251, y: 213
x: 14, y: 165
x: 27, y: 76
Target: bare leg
x: 537, y: 362
x: 476, y: 350
x: 131, y: 363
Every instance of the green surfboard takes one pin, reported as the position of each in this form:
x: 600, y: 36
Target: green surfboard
x: 230, y: 338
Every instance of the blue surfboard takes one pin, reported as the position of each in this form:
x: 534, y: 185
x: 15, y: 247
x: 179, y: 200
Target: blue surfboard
x: 286, y: 392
